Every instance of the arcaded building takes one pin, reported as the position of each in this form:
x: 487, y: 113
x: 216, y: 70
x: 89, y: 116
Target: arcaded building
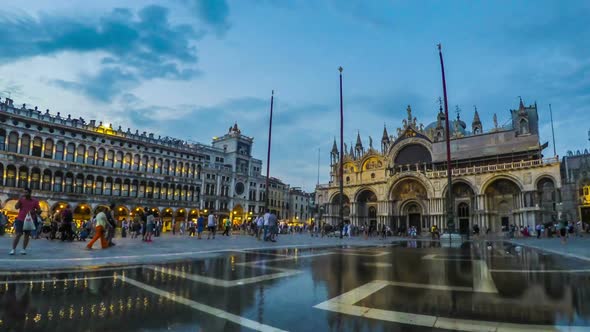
x: 500, y: 176
x: 87, y: 164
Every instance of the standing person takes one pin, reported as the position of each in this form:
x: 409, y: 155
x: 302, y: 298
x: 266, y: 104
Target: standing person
x: 227, y: 224
x: 200, y: 226
x: 99, y: 231
x: 124, y: 227
x: 111, y: 224
x: 211, y: 225
x: 259, y: 227
x: 149, y: 228
x: 273, y: 226
x: 27, y: 209
x: 265, y: 224
x: 67, y: 219
x: 563, y: 232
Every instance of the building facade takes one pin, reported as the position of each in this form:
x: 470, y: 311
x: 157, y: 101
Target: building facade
x: 299, y: 206
x: 575, y: 172
x: 278, y: 199
x: 86, y: 165
x: 499, y: 176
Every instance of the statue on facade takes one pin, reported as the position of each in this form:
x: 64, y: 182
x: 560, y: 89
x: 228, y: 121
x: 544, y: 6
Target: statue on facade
x: 370, y: 143
x: 495, y: 121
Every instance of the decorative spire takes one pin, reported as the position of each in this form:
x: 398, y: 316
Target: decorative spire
x: 334, y: 147
x: 409, y: 110
x: 385, y: 137
x: 521, y: 104
x: 476, y: 126
x: 359, y: 144
x: 351, y: 150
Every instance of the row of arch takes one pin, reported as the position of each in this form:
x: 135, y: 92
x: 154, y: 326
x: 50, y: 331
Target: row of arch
x: 501, y: 201
x: 541, y: 182
x: 68, y: 182
x: 79, y: 153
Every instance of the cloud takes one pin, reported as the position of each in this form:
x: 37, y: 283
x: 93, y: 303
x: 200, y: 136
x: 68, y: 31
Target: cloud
x: 138, y: 46
x: 214, y: 13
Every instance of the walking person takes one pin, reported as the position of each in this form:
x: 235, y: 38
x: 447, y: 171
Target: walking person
x: 27, y: 208
x: 227, y: 224
x: 99, y: 231
x: 200, y: 226
x: 211, y: 225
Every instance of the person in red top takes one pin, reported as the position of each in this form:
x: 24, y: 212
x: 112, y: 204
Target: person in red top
x: 24, y: 205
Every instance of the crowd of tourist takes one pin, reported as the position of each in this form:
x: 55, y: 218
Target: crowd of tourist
x: 266, y: 227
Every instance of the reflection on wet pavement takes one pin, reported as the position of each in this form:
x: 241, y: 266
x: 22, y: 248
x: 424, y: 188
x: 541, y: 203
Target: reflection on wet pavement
x: 406, y: 286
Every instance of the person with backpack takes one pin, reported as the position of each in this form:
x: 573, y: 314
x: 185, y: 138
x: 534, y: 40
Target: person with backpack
x: 23, y: 224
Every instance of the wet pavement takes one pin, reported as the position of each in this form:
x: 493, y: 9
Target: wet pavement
x: 403, y: 286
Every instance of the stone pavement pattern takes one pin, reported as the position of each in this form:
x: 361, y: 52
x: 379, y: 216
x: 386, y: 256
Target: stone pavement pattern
x: 45, y: 254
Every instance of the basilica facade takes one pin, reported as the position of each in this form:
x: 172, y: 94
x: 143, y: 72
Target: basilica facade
x: 499, y: 176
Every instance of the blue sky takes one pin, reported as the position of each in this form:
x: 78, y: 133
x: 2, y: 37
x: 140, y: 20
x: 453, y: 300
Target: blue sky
x: 190, y: 68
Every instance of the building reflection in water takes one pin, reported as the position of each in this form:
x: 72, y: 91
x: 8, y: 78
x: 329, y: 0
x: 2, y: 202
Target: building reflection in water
x: 101, y: 301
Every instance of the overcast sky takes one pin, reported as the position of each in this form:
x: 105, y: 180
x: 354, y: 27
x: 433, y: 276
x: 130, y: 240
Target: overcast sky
x: 191, y: 68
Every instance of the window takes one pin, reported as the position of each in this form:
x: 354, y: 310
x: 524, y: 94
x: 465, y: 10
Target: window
x: 108, y: 186
x: 57, y: 182
x: 149, y: 191
x: 69, y: 183
x: 98, y: 186
x: 125, y: 190
x: 127, y: 161
x: 151, y: 164
x: 89, y: 190
x: 48, y: 152
x: 10, y: 176
x: 70, y: 150
x: 167, y: 167
x: 90, y: 157
x: 117, y: 188
x: 23, y: 177
x: 119, y: 160
x: 100, y: 157
x: 81, y: 154
x: 79, y: 184
x: 59, y: 150
x: 144, y: 163
x: 37, y: 146
x: 110, y: 158
x: 46, y: 183
x: 2, y: 139
x: 13, y: 142
x: 25, y: 144
x: 35, y: 179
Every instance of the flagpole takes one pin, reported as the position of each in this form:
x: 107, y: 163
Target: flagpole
x: 268, y: 153
x: 341, y: 171
x: 450, y: 208
x: 552, y: 132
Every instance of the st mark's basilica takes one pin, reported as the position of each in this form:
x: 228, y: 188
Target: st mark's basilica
x: 499, y: 176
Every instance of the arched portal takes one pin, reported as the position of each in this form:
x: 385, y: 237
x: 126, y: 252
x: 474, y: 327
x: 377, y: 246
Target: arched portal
x: 547, y: 196
x: 167, y: 219
x: 121, y: 212
x: 413, y: 213
x: 237, y: 215
x: 464, y: 201
x: 409, y: 198
x: 502, y: 198
x: 366, y: 208
x: 334, y: 209
x: 82, y: 212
